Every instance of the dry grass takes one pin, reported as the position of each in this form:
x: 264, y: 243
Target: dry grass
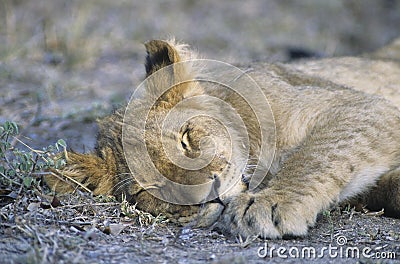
x: 49, y: 229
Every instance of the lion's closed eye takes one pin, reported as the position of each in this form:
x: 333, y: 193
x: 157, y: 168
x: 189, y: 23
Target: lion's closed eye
x: 185, y: 140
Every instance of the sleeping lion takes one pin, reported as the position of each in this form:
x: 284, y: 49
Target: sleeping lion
x: 258, y: 150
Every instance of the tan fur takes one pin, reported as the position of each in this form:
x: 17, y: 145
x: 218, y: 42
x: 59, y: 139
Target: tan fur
x: 336, y: 140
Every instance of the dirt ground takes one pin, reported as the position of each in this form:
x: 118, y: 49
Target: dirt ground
x: 65, y: 63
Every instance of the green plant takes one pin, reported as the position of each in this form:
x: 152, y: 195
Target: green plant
x: 327, y: 215
x: 22, y: 165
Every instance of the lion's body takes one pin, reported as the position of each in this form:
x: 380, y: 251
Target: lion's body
x: 336, y: 139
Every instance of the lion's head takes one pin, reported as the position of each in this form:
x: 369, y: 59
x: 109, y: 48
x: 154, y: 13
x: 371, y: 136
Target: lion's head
x: 181, y: 144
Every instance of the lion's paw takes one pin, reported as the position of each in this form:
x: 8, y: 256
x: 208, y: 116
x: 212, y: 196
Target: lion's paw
x: 267, y: 216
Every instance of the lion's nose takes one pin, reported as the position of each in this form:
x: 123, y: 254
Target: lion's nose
x: 214, y: 188
x: 218, y: 200
x: 246, y: 179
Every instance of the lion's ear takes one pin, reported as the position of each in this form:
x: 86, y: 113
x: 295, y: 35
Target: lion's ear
x: 159, y: 54
x: 179, y: 77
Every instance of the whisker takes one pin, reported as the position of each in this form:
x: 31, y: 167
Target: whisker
x: 121, y: 183
x: 131, y: 126
x: 117, y: 192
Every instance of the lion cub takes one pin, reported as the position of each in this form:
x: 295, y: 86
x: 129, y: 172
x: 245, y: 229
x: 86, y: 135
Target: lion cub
x: 331, y: 135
